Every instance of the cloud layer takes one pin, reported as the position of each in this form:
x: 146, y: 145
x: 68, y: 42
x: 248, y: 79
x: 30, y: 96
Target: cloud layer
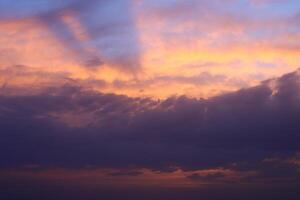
x: 73, y: 127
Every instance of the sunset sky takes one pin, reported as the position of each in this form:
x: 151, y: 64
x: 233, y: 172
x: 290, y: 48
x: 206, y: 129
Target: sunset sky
x: 149, y: 99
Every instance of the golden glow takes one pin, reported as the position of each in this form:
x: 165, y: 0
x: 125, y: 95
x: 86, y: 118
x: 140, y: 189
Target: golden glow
x: 169, y: 66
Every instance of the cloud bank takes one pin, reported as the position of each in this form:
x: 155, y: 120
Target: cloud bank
x: 73, y: 127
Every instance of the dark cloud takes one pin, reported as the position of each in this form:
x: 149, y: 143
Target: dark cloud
x: 73, y: 127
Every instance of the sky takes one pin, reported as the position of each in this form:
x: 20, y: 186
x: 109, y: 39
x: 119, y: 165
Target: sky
x: 144, y: 99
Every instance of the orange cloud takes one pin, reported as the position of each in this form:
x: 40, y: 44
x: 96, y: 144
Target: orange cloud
x: 173, y: 57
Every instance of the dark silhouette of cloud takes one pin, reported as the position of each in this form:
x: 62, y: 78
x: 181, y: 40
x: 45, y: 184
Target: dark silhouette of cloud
x: 255, y: 129
x: 71, y: 127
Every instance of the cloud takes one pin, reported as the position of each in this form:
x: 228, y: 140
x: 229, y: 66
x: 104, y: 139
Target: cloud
x: 72, y: 127
x: 167, y: 44
x: 22, y: 79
